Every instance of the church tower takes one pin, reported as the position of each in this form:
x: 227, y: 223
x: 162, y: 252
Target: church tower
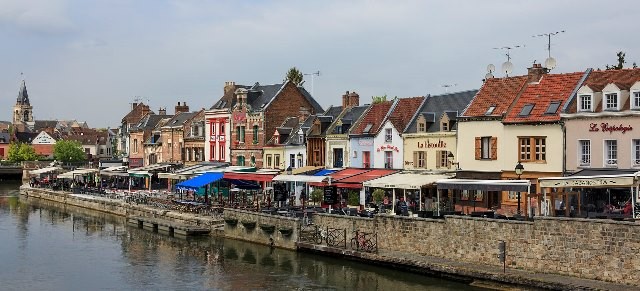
x: 22, y: 111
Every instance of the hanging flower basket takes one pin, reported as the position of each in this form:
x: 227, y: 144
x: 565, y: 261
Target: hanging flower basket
x: 231, y: 221
x: 249, y: 224
x: 285, y: 231
x: 267, y: 228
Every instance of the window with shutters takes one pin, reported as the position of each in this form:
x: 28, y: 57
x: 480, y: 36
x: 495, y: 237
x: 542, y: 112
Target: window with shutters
x: 419, y: 159
x: 486, y: 148
x: 442, y: 159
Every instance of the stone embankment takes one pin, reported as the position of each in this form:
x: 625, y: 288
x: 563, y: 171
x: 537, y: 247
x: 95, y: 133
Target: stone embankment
x: 555, y: 253
x: 122, y: 208
x: 266, y: 229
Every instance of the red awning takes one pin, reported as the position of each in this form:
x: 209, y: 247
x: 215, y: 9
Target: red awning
x: 356, y: 181
x: 339, y: 175
x: 250, y: 176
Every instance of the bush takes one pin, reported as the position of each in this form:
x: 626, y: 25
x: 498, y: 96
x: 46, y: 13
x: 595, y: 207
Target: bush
x: 378, y: 195
x: 316, y: 195
x: 354, y: 198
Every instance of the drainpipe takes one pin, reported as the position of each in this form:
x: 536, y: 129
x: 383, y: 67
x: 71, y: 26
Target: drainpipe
x: 564, y: 148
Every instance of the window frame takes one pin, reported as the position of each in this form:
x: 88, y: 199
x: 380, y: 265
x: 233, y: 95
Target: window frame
x: 616, y: 99
x: 582, y: 154
x: 537, y: 149
x: 388, y: 135
x: 635, y: 99
x: 581, y: 104
x: 610, y: 150
x: 635, y: 152
x: 487, y: 147
x: 422, y: 127
x: 366, y: 159
x: 269, y: 158
x: 255, y: 134
x: 388, y: 159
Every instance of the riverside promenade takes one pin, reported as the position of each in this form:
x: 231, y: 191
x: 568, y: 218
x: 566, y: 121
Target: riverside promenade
x: 461, y: 249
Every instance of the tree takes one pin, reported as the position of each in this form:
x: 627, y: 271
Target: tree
x: 316, y: 195
x: 621, y: 62
x: 378, y: 99
x: 19, y: 152
x: 68, y: 151
x: 295, y: 76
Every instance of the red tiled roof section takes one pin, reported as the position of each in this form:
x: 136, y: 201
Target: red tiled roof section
x: 551, y: 88
x: 375, y: 116
x: 404, y: 111
x: 499, y: 92
x: 624, y: 78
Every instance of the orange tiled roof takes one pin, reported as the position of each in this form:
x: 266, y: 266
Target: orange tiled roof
x: 597, y: 80
x: 375, y: 117
x: 404, y: 111
x: 499, y: 92
x: 551, y: 88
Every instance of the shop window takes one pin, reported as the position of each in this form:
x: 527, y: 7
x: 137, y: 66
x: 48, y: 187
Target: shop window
x: 584, y: 153
x: 532, y: 149
x: 611, y: 153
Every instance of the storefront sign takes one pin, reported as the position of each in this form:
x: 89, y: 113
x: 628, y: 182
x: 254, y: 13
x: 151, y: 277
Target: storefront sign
x: 587, y: 182
x: 365, y: 142
x: 330, y: 195
x: 429, y: 144
x: 605, y: 127
x: 388, y: 147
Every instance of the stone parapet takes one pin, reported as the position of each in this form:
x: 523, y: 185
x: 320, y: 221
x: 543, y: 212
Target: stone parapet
x: 266, y: 229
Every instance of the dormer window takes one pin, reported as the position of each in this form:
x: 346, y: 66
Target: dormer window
x: 586, y: 103
x: 422, y: 127
x: 611, y: 101
x: 490, y: 110
x: 301, y: 138
x: 635, y: 102
x: 445, y: 126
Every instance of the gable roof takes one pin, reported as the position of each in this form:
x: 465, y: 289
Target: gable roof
x: 498, y: 92
x: 179, y: 119
x: 598, y: 80
x: 348, y: 117
x: 404, y: 111
x: 4, y: 137
x: 88, y: 139
x: 43, y: 124
x: 532, y: 104
x: 326, y: 119
x: 375, y: 116
x: 260, y: 96
x: 138, y: 111
x: 26, y: 137
x: 434, y: 106
x: 149, y: 121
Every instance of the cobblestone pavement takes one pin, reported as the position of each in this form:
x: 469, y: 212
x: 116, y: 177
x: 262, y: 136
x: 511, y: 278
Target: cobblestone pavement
x: 495, y: 273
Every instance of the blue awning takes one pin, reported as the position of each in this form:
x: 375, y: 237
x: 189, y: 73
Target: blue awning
x: 324, y: 172
x: 200, y: 181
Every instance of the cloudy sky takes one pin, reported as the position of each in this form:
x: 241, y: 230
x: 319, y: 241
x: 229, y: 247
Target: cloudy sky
x: 87, y: 60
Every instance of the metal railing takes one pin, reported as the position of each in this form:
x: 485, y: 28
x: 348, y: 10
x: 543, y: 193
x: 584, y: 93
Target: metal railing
x: 337, y: 237
x: 364, y: 242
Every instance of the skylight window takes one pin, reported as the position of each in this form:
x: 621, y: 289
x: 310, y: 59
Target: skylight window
x: 553, y: 107
x: 367, y: 128
x: 526, y: 110
x: 490, y: 110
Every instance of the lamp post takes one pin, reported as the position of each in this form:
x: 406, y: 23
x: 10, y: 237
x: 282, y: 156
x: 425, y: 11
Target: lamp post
x: 519, y: 170
x: 289, y: 172
x: 451, y: 159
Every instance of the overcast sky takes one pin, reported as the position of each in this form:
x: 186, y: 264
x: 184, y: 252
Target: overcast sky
x: 87, y: 60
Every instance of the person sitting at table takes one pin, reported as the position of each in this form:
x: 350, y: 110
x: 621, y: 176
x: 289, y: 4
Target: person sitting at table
x: 628, y: 208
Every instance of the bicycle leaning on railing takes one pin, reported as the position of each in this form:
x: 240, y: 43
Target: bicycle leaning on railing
x: 364, y: 242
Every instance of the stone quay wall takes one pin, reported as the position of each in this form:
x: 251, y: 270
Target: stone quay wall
x: 266, y: 229
x: 603, y: 250
x: 121, y: 208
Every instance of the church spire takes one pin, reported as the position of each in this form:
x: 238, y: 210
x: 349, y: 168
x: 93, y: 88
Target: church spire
x: 23, y: 96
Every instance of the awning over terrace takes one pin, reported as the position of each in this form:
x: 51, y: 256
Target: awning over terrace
x: 258, y: 176
x: 45, y: 170
x: 300, y: 178
x: 325, y: 172
x: 598, y: 181
x: 199, y: 181
x: 407, y: 180
x: 485, y: 185
x: 120, y: 171
x: 356, y: 181
x: 78, y: 172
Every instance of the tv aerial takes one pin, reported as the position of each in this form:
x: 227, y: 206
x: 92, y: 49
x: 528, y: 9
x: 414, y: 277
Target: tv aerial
x: 550, y: 62
x: 447, y: 86
x: 316, y: 73
x: 507, y: 67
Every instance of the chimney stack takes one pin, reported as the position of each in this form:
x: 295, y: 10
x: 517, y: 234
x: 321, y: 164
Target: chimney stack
x: 181, y: 107
x: 350, y: 100
x: 133, y: 105
x: 229, y: 86
x: 162, y: 111
x: 536, y: 72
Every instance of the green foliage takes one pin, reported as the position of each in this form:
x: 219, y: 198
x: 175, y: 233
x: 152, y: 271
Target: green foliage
x: 354, y: 198
x: 19, y: 152
x: 378, y: 99
x: 621, y: 62
x: 316, y: 195
x: 378, y: 195
x: 68, y: 151
x: 295, y: 76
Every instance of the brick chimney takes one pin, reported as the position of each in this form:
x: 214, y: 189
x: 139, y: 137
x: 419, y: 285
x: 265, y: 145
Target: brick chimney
x: 229, y: 86
x: 162, y: 111
x: 181, y: 107
x: 536, y: 72
x: 133, y: 105
x: 350, y: 100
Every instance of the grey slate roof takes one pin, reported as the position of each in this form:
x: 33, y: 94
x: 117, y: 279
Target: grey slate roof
x: 435, y: 106
x: 258, y: 96
x: 26, y: 137
x: 348, y: 118
x: 42, y: 124
x: 150, y: 121
x: 4, y: 137
x: 179, y: 119
x: 23, y: 96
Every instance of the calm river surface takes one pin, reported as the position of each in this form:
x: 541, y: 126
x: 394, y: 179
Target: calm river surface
x: 45, y: 246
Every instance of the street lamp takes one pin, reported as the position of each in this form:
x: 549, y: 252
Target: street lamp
x: 289, y: 172
x: 450, y: 157
x: 519, y: 170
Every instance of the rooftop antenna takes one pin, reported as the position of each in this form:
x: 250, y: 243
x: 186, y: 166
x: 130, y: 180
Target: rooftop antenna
x: 317, y: 73
x: 550, y: 62
x: 507, y: 67
x: 490, y: 69
x: 447, y: 86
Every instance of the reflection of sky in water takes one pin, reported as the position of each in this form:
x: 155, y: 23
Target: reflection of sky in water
x: 47, y: 247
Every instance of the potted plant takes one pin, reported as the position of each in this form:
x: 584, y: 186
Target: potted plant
x: 378, y: 195
x: 316, y: 195
x: 353, y: 198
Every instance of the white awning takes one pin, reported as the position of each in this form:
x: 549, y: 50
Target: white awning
x: 485, y: 185
x: 300, y: 178
x: 78, y: 172
x: 45, y: 170
x: 151, y: 167
x: 605, y: 181
x: 406, y: 180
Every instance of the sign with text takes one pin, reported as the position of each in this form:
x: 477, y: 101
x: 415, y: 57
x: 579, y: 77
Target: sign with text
x: 432, y: 144
x: 588, y: 182
x: 330, y: 195
x: 280, y: 192
x: 606, y: 127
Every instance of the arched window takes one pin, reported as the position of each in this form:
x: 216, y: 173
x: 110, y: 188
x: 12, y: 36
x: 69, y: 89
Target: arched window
x: 26, y: 115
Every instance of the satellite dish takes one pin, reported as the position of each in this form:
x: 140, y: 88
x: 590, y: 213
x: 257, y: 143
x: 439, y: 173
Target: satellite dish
x: 507, y: 67
x: 488, y: 76
x: 550, y: 63
x: 491, y: 68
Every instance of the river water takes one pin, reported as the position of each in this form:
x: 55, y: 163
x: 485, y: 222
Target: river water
x: 46, y: 246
